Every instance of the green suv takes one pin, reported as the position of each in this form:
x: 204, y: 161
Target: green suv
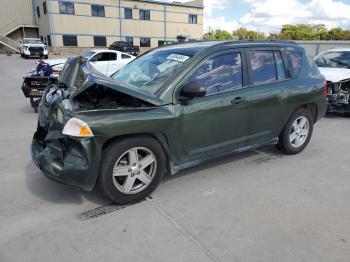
x: 172, y: 108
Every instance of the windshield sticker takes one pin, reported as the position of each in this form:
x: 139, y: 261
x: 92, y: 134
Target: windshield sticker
x: 176, y: 57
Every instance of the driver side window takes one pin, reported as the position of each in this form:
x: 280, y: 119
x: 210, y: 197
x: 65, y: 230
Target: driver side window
x: 220, y: 74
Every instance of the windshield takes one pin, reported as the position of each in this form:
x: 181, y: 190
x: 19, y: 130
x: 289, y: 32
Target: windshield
x: 32, y: 41
x: 87, y: 54
x: 334, y: 60
x: 150, y: 71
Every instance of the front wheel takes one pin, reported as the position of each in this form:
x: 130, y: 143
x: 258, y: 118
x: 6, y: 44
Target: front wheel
x: 297, y: 133
x: 131, y: 169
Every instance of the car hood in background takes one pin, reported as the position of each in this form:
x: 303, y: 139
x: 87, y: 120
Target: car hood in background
x: 52, y: 62
x: 335, y: 74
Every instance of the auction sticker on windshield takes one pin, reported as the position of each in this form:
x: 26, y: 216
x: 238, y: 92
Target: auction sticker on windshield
x: 176, y: 57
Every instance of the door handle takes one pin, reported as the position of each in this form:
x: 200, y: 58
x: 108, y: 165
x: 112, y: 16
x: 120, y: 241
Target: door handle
x: 238, y: 100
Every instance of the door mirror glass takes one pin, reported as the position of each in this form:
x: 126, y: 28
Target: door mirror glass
x: 192, y: 90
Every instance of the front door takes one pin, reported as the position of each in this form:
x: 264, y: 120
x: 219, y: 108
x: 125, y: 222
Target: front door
x: 218, y: 122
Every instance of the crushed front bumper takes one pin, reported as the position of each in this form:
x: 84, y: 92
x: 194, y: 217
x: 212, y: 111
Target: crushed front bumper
x: 69, y: 160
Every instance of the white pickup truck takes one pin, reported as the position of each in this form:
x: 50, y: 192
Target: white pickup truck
x: 33, y: 47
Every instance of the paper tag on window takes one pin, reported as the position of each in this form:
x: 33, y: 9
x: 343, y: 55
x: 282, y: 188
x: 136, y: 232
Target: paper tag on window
x: 180, y: 58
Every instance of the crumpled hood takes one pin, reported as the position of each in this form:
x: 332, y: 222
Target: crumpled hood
x: 81, y: 74
x: 335, y: 74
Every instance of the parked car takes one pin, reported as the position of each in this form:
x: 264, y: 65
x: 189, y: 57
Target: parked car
x: 45, y: 72
x: 172, y: 108
x: 334, y: 64
x: 33, y: 47
x: 105, y: 61
x: 125, y: 47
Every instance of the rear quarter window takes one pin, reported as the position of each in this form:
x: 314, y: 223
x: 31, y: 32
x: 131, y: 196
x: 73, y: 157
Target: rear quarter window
x: 294, y: 60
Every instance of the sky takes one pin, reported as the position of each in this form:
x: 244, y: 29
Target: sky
x: 269, y: 15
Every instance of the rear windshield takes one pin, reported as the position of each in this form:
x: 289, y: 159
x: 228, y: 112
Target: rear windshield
x: 32, y: 41
x: 334, y: 60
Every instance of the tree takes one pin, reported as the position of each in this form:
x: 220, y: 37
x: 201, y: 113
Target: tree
x: 245, y: 34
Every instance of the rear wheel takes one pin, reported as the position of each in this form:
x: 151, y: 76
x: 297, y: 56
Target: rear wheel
x: 131, y: 169
x: 297, y: 133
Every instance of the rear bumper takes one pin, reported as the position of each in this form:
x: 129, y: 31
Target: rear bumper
x: 65, y: 159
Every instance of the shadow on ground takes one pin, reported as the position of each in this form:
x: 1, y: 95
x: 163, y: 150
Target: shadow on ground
x: 54, y: 192
x: 51, y: 191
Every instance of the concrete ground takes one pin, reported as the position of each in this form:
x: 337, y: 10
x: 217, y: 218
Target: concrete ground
x: 255, y: 206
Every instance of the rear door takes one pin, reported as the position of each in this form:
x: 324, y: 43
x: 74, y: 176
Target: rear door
x: 268, y: 93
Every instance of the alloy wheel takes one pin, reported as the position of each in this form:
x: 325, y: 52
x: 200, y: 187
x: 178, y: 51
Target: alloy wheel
x: 134, y: 170
x: 299, y: 132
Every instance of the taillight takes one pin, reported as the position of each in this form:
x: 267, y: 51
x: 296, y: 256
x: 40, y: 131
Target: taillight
x: 56, y: 72
x: 325, y: 88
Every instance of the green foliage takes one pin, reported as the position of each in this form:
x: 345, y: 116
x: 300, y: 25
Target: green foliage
x: 288, y: 32
x: 245, y: 34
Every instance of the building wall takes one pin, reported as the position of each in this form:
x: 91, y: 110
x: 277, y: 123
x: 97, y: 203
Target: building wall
x: 15, y: 12
x: 114, y: 26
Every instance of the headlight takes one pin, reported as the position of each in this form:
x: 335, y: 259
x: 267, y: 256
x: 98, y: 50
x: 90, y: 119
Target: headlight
x: 77, y: 128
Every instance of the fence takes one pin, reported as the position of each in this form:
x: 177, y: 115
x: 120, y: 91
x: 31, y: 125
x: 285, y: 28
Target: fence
x: 313, y: 48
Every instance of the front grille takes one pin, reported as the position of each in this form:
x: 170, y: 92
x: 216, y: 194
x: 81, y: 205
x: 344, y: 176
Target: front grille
x: 35, y: 49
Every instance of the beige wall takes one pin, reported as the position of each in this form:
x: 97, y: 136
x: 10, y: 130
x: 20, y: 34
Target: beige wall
x: 85, y: 26
x: 15, y: 12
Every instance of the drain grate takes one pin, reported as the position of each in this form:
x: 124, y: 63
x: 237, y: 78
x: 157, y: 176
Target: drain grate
x: 103, y: 210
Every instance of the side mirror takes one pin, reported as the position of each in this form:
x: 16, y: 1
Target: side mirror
x: 192, y: 90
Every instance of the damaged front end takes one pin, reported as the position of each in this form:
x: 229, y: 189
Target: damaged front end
x: 339, y: 96
x: 73, y: 157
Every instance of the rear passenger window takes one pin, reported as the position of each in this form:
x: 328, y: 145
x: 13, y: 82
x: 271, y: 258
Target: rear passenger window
x: 220, y: 74
x: 281, y: 71
x: 294, y: 59
x: 263, y: 68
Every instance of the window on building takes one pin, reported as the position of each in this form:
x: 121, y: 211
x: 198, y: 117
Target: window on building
x: 98, y: 10
x: 192, y: 19
x: 129, y: 40
x: 67, y: 8
x: 145, y: 15
x: 294, y: 60
x: 100, y: 41
x: 145, y: 42
x: 70, y: 40
x: 220, y: 74
x: 48, y: 40
x: 45, y: 8
x: 127, y: 13
x: 124, y: 56
x: 38, y: 11
x: 263, y: 67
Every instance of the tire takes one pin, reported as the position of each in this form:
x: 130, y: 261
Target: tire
x: 26, y: 56
x: 119, y: 153
x: 46, y: 57
x: 302, y: 133
x: 22, y: 55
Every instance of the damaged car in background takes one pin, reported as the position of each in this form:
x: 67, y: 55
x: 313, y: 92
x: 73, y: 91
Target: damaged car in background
x: 172, y: 108
x: 334, y: 64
